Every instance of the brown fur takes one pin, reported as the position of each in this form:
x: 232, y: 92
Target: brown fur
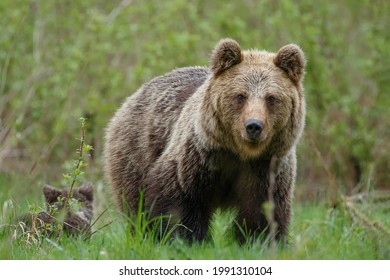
x: 74, y: 222
x: 182, y: 140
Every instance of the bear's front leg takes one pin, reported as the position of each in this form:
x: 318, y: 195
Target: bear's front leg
x: 182, y: 192
x: 264, y: 208
x: 188, y: 213
x: 195, y: 217
x: 282, y: 196
x: 254, y: 219
x: 251, y: 223
x: 281, y: 182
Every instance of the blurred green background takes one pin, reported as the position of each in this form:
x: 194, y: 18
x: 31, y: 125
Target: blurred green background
x: 61, y: 60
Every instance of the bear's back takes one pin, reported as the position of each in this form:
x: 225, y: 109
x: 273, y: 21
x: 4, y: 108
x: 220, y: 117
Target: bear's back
x: 167, y: 96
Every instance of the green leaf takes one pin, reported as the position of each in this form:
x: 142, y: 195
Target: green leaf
x: 87, y: 148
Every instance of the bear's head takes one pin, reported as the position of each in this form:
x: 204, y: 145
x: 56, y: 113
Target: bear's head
x: 254, y: 103
x: 79, y: 215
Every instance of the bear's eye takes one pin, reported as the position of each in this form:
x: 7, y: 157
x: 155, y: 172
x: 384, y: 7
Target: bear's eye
x: 271, y: 100
x: 240, y: 98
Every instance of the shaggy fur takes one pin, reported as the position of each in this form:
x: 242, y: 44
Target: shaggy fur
x: 182, y: 139
x: 74, y: 222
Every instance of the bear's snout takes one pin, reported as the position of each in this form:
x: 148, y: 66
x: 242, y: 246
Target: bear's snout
x: 253, y: 128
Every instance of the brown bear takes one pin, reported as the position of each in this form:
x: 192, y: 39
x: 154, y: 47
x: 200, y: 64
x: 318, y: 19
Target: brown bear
x: 201, y: 138
x: 76, y: 220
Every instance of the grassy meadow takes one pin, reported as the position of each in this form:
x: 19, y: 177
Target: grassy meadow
x: 62, y: 60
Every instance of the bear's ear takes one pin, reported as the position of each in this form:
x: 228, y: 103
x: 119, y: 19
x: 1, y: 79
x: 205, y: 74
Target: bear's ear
x: 226, y: 54
x: 291, y: 60
x: 51, y: 194
x: 87, y: 190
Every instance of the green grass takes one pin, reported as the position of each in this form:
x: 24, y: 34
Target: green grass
x: 317, y: 232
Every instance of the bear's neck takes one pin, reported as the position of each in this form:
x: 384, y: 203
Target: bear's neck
x: 208, y: 128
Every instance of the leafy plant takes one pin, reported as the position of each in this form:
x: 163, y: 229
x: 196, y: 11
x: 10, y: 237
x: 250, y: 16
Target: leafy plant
x: 39, y: 224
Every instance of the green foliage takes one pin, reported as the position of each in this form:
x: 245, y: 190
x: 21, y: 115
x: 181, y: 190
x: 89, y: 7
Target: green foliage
x: 62, y: 60
x: 76, y: 173
x: 40, y: 224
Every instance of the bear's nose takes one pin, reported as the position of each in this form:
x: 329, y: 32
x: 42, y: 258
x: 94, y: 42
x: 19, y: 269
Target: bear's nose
x: 253, y: 128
